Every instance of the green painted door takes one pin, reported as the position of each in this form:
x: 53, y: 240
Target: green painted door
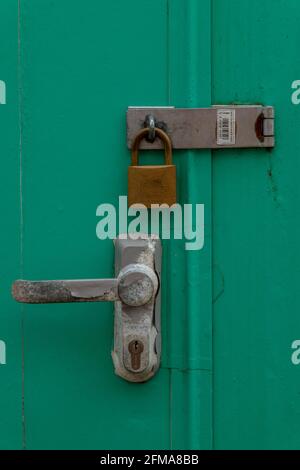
x: 229, y: 375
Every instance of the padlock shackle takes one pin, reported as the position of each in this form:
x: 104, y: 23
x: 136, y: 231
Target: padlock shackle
x: 163, y: 137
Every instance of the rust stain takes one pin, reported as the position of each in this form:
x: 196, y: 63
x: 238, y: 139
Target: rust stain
x: 273, y: 184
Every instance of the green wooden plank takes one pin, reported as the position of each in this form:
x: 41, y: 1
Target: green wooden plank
x: 10, y: 267
x: 83, y: 64
x: 256, y: 232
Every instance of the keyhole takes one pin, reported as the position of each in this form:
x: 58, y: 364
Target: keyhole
x: 135, y: 348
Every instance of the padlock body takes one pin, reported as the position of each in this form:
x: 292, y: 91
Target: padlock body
x: 152, y: 184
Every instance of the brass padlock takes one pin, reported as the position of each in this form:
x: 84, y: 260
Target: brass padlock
x: 152, y: 184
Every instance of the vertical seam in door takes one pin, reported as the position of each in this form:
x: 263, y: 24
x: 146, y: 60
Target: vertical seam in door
x: 168, y: 52
x: 21, y: 210
x: 196, y: 419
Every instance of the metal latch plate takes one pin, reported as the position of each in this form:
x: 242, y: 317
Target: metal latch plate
x: 218, y: 127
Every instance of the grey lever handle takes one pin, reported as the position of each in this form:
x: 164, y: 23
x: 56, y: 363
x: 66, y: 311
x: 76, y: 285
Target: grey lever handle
x: 46, y: 292
x: 135, y: 285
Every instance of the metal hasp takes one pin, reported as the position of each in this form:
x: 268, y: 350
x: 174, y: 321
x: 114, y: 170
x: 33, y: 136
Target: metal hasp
x: 221, y: 126
x: 136, y: 293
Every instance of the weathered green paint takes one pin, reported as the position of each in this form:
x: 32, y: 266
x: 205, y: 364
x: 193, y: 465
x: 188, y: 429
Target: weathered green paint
x: 230, y: 311
x: 10, y: 265
x: 256, y: 232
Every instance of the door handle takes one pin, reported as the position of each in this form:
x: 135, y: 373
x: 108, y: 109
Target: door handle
x: 135, y: 286
x: 136, y: 293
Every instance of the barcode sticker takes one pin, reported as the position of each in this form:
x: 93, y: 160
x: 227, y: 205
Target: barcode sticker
x: 225, y: 127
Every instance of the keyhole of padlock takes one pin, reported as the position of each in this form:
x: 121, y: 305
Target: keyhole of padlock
x: 135, y: 348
